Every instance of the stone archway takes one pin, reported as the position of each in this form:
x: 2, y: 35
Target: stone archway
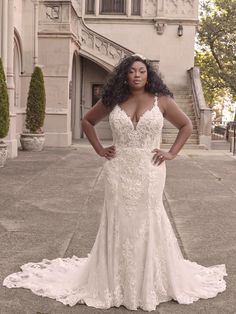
x: 87, y: 77
x: 75, y: 95
x: 17, y: 68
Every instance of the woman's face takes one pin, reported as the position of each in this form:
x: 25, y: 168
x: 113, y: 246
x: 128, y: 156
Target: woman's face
x: 137, y: 75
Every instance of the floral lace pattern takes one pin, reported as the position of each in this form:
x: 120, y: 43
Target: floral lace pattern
x: 135, y: 260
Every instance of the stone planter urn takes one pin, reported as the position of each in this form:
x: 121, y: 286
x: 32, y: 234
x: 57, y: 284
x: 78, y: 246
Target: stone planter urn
x: 32, y: 141
x: 3, y: 154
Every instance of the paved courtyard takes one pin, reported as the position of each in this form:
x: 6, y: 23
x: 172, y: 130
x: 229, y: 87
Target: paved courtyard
x: 50, y: 205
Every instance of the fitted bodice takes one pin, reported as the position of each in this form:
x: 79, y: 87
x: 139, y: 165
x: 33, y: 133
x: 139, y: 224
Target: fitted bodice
x: 145, y: 134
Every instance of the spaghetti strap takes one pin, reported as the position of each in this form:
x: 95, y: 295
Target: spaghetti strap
x: 156, y: 99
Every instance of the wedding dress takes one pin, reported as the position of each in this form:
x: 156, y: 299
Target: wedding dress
x: 135, y: 260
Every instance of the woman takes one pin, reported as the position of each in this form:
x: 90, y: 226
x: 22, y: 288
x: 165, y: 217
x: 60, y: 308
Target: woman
x: 135, y: 260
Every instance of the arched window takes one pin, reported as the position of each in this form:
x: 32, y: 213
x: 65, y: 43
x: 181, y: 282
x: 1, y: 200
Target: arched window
x: 17, y: 67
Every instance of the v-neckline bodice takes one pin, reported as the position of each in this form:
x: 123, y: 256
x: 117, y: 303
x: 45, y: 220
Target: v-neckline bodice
x: 135, y: 125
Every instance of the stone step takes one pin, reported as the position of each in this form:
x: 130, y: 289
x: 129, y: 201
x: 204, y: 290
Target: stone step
x: 183, y: 98
x: 220, y: 144
x: 171, y: 127
x: 181, y: 91
x: 186, y: 146
x: 173, y: 135
x: 191, y: 116
x: 167, y: 124
x: 188, y: 111
x: 175, y: 130
x: 185, y: 106
x: 171, y: 141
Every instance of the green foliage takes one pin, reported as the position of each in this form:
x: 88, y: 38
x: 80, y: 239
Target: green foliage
x: 4, y: 104
x: 36, y: 102
x: 214, y: 89
x: 216, y: 55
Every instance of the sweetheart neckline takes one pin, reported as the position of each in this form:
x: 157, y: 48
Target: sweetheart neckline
x: 142, y: 116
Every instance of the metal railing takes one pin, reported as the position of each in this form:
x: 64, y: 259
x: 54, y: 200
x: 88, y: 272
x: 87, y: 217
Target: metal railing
x: 218, y: 132
x: 231, y: 136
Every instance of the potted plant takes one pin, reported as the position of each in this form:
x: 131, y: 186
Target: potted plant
x: 33, y: 138
x: 4, y: 115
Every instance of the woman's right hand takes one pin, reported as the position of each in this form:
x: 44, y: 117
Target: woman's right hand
x: 107, y: 152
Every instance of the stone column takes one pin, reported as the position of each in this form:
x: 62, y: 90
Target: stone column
x: 142, y: 8
x: 11, y: 138
x: 96, y: 7
x: 128, y: 7
x: 4, y: 33
x: 36, y: 23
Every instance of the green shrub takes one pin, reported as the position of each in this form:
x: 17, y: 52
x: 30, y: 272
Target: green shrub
x: 36, y: 101
x: 4, y: 104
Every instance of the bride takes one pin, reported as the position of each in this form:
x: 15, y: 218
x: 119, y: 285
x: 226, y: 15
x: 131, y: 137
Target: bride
x: 135, y: 260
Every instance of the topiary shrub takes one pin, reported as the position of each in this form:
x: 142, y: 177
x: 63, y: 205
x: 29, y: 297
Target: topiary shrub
x: 36, y: 101
x: 4, y: 105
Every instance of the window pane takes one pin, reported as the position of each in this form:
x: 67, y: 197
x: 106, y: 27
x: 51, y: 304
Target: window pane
x: 135, y: 7
x: 89, y: 8
x: 96, y: 93
x: 113, y: 6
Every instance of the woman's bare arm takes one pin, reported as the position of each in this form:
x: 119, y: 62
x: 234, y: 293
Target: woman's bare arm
x: 178, y: 118
x: 92, y: 117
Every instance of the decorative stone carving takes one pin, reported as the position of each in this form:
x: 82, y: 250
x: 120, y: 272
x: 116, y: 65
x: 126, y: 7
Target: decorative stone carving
x: 170, y: 8
x: 150, y: 7
x: 188, y: 7
x: 3, y: 154
x: 115, y: 53
x: 87, y: 39
x: 77, y: 5
x: 100, y: 45
x: 159, y: 27
x: 32, y: 142
x: 179, y: 7
x: 161, y: 7
x: 53, y: 12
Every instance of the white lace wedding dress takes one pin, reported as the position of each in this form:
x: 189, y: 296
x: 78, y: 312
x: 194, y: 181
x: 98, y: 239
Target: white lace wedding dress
x: 135, y: 260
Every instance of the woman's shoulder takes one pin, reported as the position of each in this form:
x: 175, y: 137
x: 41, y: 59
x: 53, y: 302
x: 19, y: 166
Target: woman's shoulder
x: 163, y: 101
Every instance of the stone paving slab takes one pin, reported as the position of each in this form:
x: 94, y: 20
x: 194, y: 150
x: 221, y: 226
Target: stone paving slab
x: 50, y: 206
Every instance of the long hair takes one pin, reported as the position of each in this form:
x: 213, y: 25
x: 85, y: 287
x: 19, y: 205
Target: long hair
x: 116, y: 89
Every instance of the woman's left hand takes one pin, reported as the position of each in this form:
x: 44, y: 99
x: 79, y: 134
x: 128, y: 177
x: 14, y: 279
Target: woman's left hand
x: 160, y: 156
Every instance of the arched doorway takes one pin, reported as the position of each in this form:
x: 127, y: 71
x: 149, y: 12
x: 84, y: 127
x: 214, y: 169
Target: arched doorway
x: 87, y: 79
x: 17, y: 68
x: 75, y: 94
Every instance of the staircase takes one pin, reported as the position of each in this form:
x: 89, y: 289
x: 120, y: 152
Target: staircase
x: 99, y: 48
x: 184, y: 100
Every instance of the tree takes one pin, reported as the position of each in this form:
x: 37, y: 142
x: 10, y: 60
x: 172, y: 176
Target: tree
x: 35, y: 111
x: 216, y: 55
x: 4, y: 104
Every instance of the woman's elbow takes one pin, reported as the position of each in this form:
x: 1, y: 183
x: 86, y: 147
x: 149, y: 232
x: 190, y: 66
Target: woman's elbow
x: 189, y: 126
x: 84, y: 122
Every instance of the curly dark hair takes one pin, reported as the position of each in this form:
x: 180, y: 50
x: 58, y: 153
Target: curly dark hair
x: 117, y: 91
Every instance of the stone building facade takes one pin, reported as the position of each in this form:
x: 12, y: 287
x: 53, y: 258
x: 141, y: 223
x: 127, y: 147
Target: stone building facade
x: 77, y: 43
